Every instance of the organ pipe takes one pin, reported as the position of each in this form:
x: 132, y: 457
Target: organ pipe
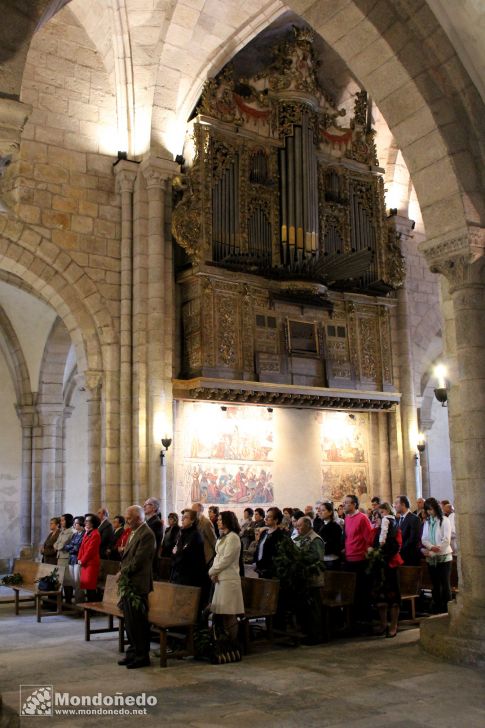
x: 299, y: 194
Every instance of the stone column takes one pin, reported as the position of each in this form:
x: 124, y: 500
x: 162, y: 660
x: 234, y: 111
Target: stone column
x: 461, y: 636
x: 51, y: 455
x: 126, y: 173
x: 92, y: 382
x: 408, y: 410
x: 159, y: 312
x: 27, y: 415
x: 425, y: 425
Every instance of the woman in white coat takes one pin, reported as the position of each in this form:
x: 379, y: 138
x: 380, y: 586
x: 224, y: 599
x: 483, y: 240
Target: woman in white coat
x: 436, y: 547
x: 227, y: 601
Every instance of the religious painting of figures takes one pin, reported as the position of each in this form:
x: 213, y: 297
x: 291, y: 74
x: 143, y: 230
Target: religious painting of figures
x: 229, y: 433
x: 343, y: 437
x: 220, y: 483
x: 339, y: 481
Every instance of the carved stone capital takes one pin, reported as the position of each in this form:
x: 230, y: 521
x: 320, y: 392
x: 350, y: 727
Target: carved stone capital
x: 27, y: 415
x: 158, y: 170
x: 92, y: 380
x: 125, y: 173
x: 459, y: 257
x: 49, y: 414
x: 13, y: 115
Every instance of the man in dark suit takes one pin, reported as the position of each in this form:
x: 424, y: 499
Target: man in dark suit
x: 136, y: 573
x: 410, y: 526
x: 152, y: 509
x: 106, y: 532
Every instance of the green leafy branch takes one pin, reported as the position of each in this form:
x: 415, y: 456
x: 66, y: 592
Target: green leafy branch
x: 296, y: 566
x: 12, y: 580
x: 127, y: 591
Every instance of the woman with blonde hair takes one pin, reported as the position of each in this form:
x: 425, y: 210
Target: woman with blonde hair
x: 227, y: 601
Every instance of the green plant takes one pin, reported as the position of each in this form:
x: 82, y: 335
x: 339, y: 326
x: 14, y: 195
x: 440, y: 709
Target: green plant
x: 297, y: 566
x: 12, y: 580
x: 127, y: 591
x: 50, y: 582
x: 376, y: 564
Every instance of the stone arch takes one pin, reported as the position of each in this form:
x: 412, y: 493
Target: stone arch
x: 63, y: 284
x: 434, y: 116
x: 51, y: 378
x: 14, y: 356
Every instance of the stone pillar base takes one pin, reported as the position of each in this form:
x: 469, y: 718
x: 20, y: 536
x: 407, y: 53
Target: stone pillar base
x: 439, y: 638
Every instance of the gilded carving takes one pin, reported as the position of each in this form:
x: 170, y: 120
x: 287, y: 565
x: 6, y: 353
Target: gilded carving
x: 396, y: 265
x: 226, y: 330
x: 338, y: 352
x: 385, y: 340
x: 368, y: 349
x: 208, y: 324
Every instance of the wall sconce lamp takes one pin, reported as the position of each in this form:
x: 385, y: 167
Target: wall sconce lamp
x: 223, y: 408
x: 421, y: 444
x: 166, y: 442
x: 269, y: 409
x: 441, y: 392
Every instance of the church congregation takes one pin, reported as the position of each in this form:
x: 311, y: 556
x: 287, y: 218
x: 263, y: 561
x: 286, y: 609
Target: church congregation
x: 214, y: 553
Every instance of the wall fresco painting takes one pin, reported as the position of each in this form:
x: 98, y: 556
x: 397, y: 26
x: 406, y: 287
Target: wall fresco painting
x: 236, y: 433
x: 222, y: 483
x: 227, y: 454
x: 339, y: 481
x: 343, y: 438
x: 344, y: 454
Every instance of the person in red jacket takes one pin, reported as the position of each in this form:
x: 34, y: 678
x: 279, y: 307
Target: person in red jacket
x: 357, y: 533
x: 88, y: 557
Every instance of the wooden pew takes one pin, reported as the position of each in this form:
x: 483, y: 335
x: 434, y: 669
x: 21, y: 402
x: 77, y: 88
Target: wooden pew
x: 108, y: 606
x: 260, y: 602
x: 410, y: 585
x: 171, y: 607
x: 338, y: 592
x: 31, y: 571
x: 106, y: 567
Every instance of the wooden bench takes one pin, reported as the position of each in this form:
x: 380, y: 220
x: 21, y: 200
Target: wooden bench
x: 31, y: 572
x: 410, y: 578
x: 172, y: 607
x: 260, y: 602
x: 106, y: 567
x: 108, y: 606
x: 337, y: 592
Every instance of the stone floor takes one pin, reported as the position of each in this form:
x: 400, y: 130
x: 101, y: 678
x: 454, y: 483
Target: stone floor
x: 363, y: 683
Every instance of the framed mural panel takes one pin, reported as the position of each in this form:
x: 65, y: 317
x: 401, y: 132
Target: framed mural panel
x: 344, y: 449
x: 227, y: 455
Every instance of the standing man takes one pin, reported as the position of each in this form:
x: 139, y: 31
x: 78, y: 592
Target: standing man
x: 308, y: 537
x: 152, y: 509
x: 206, y: 530
x: 136, y: 569
x: 358, y: 536
x: 410, y: 530
x: 106, y: 532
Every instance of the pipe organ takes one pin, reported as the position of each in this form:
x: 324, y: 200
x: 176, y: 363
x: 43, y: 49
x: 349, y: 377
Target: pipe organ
x: 281, y: 210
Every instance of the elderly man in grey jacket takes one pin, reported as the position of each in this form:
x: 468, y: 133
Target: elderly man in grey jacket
x: 136, y: 573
